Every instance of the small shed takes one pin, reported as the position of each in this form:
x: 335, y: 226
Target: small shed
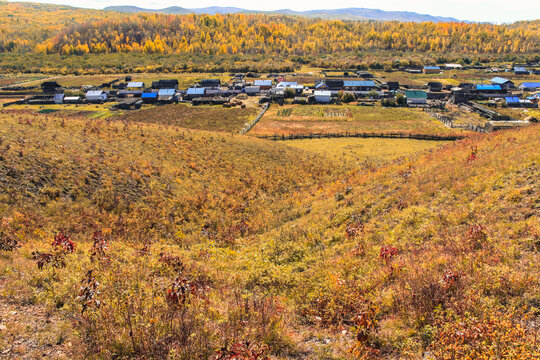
x: 286, y: 84
x: 135, y: 85
x: 453, y: 66
x: 431, y: 69
x: 322, y: 97
x: 149, y: 97
x: 416, y: 97
x: 72, y: 99
x: 96, y: 96
x: 58, y: 98
x: 519, y: 70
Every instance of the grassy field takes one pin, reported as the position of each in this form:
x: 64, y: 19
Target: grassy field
x: 370, y: 150
x: 204, y: 117
x: 305, y: 119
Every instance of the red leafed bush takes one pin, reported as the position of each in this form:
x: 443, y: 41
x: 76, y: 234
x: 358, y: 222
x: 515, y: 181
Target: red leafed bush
x: 60, y: 247
x: 477, y: 236
x: 353, y: 230
x: 182, y: 290
x: 88, y: 292
x: 387, y: 253
x: 99, y: 246
x: 243, y: 351
x: 473, y: 155
x: 42, y: 259
x: 63, y: 243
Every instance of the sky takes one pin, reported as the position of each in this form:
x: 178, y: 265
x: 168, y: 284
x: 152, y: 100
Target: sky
x: 496, y: 11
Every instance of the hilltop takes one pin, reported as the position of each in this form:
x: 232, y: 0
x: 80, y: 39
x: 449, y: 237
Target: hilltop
x: 199, y: 241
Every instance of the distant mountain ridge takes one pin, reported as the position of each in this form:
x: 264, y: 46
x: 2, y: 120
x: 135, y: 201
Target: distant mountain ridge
x: 336, y: 14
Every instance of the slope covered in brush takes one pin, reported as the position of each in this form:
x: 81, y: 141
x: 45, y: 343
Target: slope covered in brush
x: 144, y: 240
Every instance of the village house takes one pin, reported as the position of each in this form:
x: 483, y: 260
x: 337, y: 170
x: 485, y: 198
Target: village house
x: 252, y: 90
x: 330, y: 84
x: 529, y: 86
x: 519, y: 70
x: 149, y: 97
x: 165, y: 84
x: 322, y: 96
x: 96, y: 96
x: 489, y: 89
x: 51, y: 87
x: 194, y: 93
x: 393, y: 85
x: 435, y: 86
x: 263, y: 84
x: 431, y: 69
x: 166, y: 95
x: 415, y: 97
x: 213, y: 84
x: 503, y: 83
x: 359, y: 85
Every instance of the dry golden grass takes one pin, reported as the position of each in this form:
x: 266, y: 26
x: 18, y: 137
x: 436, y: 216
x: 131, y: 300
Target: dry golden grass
x: 365, y: 150
x: 271, y: 244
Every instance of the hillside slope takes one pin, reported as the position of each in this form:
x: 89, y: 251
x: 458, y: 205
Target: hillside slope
x: 189, y: 243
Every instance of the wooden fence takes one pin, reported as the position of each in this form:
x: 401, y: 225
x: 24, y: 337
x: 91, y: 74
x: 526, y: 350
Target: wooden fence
x: 256, y: 120
x: 284, y: 137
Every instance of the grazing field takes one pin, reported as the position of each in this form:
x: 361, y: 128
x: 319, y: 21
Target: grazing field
x: 203, y: 117
x: 370, y: 150
x: 305, y: 119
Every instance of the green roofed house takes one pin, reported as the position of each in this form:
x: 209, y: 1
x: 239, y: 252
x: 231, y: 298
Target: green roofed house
x: 416, y: 97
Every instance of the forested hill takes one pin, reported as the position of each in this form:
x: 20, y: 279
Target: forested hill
x: 338, y: 14
x: 64, y: 30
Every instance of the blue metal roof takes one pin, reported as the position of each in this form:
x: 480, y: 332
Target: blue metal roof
x: 488, y: 87
x: 432, y: 67
x: 512, y: 100
x: 196, y: 91
x: 520, y: 69
x: 359, y: 83
x: 531, y: 84
x: 499, y: 80
x: 149, y: 95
